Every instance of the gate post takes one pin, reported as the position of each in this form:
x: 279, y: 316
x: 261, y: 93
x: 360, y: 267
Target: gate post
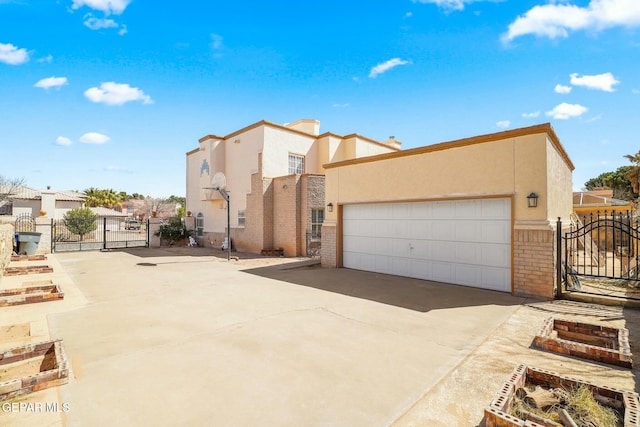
x: 104, y: 233
x: 559, y: 259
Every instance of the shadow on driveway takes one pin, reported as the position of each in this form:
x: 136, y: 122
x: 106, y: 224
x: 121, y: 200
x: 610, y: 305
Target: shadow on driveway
x: 412, y: 294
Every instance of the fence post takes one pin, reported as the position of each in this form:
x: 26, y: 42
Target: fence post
x: 104, y: 233
x: 559, y: 259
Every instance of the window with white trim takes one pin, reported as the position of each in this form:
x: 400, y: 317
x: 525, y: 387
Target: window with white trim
x: 199, y: 225
x: 317, y: 218
x: 296, y: 164
x: 241, y: 218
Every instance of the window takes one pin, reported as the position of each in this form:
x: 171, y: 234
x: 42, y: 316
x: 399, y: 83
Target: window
x: 296, y: 164
x: 241, y: 218
x: 200, y: 225
x: 317, y: 218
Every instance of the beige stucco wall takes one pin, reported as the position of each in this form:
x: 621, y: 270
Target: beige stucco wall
x: 278, y: 144
x: 511, y: 164
x: 262, y: 149
x: 286, y: 214
x: 560, y: 198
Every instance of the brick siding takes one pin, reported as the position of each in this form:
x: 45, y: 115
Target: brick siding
x: 534, y: 263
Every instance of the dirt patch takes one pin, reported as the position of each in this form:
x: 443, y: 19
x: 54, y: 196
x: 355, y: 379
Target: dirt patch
x: 25, y: 368
x: 15, y: 332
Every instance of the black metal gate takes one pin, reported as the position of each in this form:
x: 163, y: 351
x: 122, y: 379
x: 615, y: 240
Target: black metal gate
x: 25, y: 222
x: 106, y: 233
x: 600, y: 255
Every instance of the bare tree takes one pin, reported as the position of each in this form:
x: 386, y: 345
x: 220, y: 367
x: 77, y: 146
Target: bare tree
x: 8, y: 188
x: 156, y: 204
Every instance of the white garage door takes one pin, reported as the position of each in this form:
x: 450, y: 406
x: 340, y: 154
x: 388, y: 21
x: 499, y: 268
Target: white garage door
x: 466, y: 242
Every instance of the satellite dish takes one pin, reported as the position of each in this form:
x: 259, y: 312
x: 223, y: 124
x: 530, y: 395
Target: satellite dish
x: 219, y: 181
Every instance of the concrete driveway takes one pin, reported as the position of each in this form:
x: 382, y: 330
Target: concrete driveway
x: 170, y: 338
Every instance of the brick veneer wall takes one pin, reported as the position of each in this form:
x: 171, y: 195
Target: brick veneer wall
x: 6, y: 245
x: 312, y: 197
x: 534, y: 263
x: 328, y: 248
x: 286, y: 214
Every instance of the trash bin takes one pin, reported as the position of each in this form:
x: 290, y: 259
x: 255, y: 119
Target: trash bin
x: 28, y: 241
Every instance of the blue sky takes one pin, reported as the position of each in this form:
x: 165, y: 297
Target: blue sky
x: 113, y: 93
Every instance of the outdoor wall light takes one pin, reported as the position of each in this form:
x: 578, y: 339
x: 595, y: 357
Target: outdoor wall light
x: 330, y: 207
x: 532, y: 200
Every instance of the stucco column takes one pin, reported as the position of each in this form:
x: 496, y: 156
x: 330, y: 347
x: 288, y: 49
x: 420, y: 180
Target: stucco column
x: 43, y: 226
x: 154, y: 227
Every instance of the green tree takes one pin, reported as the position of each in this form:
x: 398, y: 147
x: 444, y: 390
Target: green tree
x: 174, y: 230
x: 616, y: 181
x: 80, y: 221
x: 633, y: 173
x: 177, y: 200
x: 106, y: 198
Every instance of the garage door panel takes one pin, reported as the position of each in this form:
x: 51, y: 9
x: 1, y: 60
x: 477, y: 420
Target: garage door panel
x: 495, y: 255
x: 419, y: 229
x: 495, y: 231
x: 467, y: 242
x: 442, y: 272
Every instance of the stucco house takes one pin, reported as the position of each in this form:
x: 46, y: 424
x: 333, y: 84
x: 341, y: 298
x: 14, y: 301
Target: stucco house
x: 26, y: 200
x: 597, y: 202
x: 275, y: 177
x: 479, y: 211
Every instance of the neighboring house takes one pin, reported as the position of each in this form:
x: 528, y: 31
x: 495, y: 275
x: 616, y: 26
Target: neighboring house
x: 458, y: 212
x: 275, y: 178
x: 26, y: 200
x: 596, y: 202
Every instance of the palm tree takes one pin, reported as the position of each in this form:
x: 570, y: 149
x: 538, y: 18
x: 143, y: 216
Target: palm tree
x: 106, y: 198
x: 633, y: 174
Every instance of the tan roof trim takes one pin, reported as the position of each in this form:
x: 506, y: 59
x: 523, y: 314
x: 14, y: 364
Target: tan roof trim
x: 206, y: 137
x: 195, y: 150
x: 513, y: 133
x: 355, y: 135
x: 285, y: 128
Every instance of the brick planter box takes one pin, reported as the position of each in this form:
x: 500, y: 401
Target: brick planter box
x: 497, y: 413
x: 31, y: 368
x: 586, y: 341
x: 28, y: 257
x: 35, y: 269
x: 40, y: 292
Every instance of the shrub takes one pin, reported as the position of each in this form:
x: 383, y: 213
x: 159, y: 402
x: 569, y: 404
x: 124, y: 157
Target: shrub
x: 173, y: 230
x: 80, y: 221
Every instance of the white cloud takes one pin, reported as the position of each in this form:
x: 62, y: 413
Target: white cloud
x: 63, y: 140
x: 94, y: 138
x: 107, y: 6
x: 532, y: 115
x: 216, y: 41
x: 386, y: 66
x: 112, y: 93
x: 50, y: 82
x: 340, y: 105
x: 123, y: 30
x: 48, y: 59
x: 562, y: 89
x: 556, y: 19
x: 408, y: 14
x: 565, y: 111
x: 503, y: 123
x: 449, y: 4
x: 12, y: 55
x: 635, y: 91
x: 98, y: 24
x: 603, y: 81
